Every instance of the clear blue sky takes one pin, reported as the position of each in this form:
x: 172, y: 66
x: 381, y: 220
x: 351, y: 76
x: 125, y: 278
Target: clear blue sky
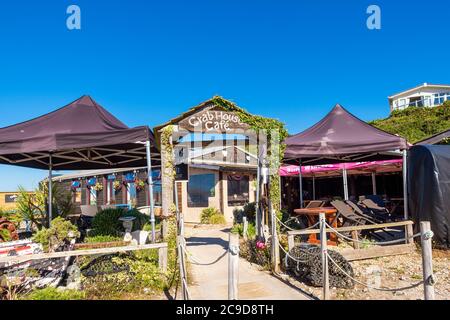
x: 148, y: 61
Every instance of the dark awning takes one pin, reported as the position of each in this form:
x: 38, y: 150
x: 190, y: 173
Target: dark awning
x: 342, y: 137
x: 81, y: 135
x: 435, y: 139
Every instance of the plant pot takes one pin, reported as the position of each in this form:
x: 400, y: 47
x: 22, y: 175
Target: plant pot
x: 140, y: 236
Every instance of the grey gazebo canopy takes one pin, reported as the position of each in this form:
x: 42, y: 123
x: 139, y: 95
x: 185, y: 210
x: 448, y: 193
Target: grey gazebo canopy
x: 81, y: 135
x: 342, y: 137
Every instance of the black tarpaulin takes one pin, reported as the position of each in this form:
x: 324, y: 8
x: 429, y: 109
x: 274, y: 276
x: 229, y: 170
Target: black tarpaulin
x: 429, y: 189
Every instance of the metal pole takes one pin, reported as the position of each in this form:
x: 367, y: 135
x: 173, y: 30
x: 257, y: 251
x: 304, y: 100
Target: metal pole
x: 258, y: 191
x: 427, y: 260
x: 233, y: 266
x: 275, y: 248
x: 405, y: 184
x: 300, y: 180
x: 344, y: 177
x: 314, y: 186
x: 150, y: 188
x: 324, y: 251
x: 374, y: 183
x: 50, y: 187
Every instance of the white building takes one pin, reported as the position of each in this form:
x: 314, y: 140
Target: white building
x: 426, y: 95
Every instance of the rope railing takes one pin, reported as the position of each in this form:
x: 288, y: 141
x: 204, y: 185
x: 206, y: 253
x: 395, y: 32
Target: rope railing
x: 402, y: 240
x: 195, y: 260
x: 415, y: 285
x: 292, y: 229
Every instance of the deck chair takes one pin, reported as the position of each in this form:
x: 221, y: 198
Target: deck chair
x: 88, y: 212
x: 350, y: 218
x: 315, y: 204
x: 347, y: 212
x: 363, y: 212
x: 376, y: 209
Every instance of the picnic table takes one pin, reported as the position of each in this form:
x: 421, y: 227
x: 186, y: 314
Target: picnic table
x: 312, y: 214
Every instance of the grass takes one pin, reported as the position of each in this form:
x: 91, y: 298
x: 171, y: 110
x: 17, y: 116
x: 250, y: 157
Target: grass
x: 51, y: 293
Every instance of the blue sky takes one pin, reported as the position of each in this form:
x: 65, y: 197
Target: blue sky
x: 148, y: 61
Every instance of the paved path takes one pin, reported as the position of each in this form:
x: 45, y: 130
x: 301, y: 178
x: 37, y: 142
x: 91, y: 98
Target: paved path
x: 209, y: 246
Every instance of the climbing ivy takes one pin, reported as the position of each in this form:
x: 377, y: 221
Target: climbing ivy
x: 167, y: 150
x: 275, y: 153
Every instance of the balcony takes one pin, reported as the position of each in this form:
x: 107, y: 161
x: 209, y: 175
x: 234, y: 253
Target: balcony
x: 424, y: 101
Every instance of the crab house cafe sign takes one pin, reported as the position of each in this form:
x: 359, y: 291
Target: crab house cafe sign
x: 213, y: 121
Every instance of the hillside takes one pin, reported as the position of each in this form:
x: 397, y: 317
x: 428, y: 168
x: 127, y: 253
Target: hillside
x: 416, y: 124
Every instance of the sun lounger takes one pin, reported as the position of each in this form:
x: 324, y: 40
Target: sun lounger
x: 363, y: 212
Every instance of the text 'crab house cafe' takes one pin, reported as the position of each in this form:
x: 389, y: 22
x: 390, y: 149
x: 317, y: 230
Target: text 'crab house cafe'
x: 215, y: 160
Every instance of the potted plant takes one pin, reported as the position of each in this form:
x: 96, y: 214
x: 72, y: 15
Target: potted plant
x: 117, y: 185
x: 98, y: 186
x: 140, y: 184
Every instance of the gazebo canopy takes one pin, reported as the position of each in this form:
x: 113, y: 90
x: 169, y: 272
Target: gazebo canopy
x: 342, y: 137
x: 81, y: 135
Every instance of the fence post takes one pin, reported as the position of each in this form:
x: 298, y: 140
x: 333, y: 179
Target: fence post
x: 355, y: 238
x: 409, y: 234
x: 233, y: 266
x: 427, y: 259
x: 245, y: 222
x: 162, y: 259
x: 275, y: 248
x: 291, y: 241
x: 182, y: 266
x: 324, y: 251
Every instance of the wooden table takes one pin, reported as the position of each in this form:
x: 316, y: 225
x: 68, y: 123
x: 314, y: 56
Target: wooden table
x: 312, y: 215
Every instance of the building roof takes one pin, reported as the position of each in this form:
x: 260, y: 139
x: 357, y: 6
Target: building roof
x: 425, y: 85
x: 435, y: 139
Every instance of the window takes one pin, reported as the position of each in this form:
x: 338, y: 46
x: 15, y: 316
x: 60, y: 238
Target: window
x: 439, y: 98
x: 200, y: 188
x: 238, y: 190
x: 92, y: 196
x: 77, y: 195
x: 10, y: 198
x: 131, y: 194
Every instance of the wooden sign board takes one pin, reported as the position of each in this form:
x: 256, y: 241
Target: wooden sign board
x: 213, y: 120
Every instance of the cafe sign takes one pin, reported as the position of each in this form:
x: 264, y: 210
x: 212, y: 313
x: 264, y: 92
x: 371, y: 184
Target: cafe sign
x: 213, y: 121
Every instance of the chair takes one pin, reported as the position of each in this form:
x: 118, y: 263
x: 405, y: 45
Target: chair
x: 144, y: 210
x: 348, y: 214
x: 363, y: 213
x: 315, y: 204
x: 89, y: 210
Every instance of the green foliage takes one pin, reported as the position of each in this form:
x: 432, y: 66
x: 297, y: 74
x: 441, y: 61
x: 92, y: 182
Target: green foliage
x: 107, y: 223
x: 212, y: 216
x: 33, y: 206
x: 97, y: 239
x: 251, y: 253
x: 51, y: 293
x: 60, y: 231
x: 12, y: 216
x: 239, y: 229
x: 5, y: 235
x: 416, y: 124
x: 140, y: 221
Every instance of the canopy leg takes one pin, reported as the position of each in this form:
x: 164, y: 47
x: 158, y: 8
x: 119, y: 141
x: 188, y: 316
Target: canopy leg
x: 300, y: 182
x: 344, y: 177
x: 50, y: 190
x: 405, y: 184
x: 314, y: 186
x: 374, y: 183
x: 150, y: 189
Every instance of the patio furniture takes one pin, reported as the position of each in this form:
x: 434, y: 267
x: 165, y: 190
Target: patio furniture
x: 376, y: 209
x: 315, y: 204
x: 312, y: 215
x: 144, y: 210
x: 89, y: 210
x: 363, y: 212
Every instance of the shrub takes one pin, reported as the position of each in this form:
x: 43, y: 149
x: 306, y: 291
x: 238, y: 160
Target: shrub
x: 208, y: 213
x: 51, y: 293
x: 60, y: 232
x: 140, y: 221
x: 253, y: 254
x: 96, y: 239
x: 239, y: 229
x: 250, y: 211
x: 107, y: 223
x: 217, y: 219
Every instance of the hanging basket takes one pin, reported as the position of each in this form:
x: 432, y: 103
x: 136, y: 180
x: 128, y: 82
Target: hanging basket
x: 140, y: 184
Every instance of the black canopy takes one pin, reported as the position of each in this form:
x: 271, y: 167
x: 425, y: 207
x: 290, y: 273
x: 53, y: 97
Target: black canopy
x: 342, y: 137
x: 429, y: 189
x: 81, y: 135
